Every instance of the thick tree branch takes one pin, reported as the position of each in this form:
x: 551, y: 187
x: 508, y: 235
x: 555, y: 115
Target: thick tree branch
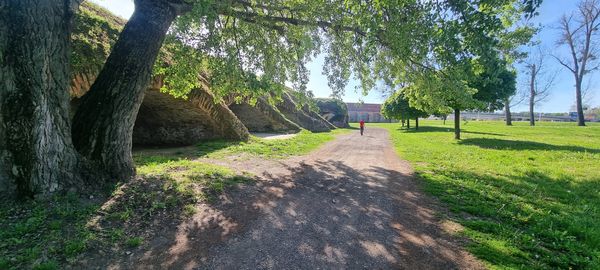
x: 564, y: 64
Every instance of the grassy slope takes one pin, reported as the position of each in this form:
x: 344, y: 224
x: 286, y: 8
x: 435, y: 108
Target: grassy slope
x: 528, y: 197
x: 47, y: 234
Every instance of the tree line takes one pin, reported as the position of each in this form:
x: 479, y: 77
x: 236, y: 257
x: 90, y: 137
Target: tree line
x: 491, y: 86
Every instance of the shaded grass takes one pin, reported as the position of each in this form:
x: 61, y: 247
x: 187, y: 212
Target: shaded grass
x: 528, y: 197
x: 53, y: 233
x: 38, y: 233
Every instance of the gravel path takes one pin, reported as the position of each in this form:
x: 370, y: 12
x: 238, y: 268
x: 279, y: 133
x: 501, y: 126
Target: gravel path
x: 350, y: 205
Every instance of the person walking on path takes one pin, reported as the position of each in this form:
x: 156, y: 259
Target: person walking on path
x: 362, y: 127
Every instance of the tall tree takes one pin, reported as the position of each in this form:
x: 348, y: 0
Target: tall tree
x: 495, y: 88
x: 515, y: 100
x: 494, y: 85
x: 579, y: 32
x: 443, y: 95
x: 511, y: 42
x: 37, y: 155
x: 539, y: 80
x: 507, y: 112
x: 484, y: 86
x: 103, y: 124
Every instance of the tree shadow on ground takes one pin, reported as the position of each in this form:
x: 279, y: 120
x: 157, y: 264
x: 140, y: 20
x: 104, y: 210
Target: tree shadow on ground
x: 527, y: 219
x: 346, y: 218
x: 145, y: 222
x: 337, y: 216
x: 423, y: 129
x: 499, y: 144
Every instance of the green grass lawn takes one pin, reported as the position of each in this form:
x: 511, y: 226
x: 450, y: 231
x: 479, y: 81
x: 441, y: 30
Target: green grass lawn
x: 528, y: 197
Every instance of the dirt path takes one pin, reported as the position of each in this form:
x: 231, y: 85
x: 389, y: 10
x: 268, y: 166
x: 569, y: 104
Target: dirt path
x: 350, y: 205
x: 274, y: 136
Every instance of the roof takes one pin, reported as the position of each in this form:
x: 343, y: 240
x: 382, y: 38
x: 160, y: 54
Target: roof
x: 363, y: 107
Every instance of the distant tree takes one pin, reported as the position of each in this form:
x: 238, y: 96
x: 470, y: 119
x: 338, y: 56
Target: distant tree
x: 439, y: 94
x: 594, y: 112
x: 442, y: 115
x: 494, y: 86
x: 539, y: 80
x: 579, y: 32
x: 511, y: 41
x: 512, y: 101
x: 484, y: 86
x: 397, y: 107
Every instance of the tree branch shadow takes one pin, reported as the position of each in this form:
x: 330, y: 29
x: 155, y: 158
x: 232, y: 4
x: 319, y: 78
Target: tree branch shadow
x: 499, y: 144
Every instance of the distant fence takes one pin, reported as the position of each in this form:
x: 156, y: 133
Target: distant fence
x: 518, y: 117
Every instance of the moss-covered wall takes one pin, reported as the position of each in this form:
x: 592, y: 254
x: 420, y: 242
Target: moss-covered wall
x: 263, y: 117
x: 95, y: 31
x: 162, y: 119
x: 165, y: 120
x: 301, y: 115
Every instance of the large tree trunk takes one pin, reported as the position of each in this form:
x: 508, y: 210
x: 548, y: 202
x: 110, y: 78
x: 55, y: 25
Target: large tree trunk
x: 507, y: 112
x: 532, y: 96
x: 457, y: 124
x: 580, y: 116
x: 37, y: 156
x: 103, y: 124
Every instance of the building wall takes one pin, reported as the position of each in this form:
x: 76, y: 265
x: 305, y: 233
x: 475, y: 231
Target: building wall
x: 368, y: 117
x: 370, y: 113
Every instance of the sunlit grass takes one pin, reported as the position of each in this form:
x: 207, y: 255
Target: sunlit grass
x: 528, y: 197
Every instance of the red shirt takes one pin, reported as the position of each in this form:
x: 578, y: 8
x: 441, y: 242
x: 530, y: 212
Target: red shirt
x: 362, y: 123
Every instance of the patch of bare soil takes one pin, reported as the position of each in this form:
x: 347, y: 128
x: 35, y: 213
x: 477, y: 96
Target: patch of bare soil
x: 274, y: 136
x: 351, y: 204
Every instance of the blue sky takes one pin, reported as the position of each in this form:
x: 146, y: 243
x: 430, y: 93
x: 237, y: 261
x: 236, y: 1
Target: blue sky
x: 561, y: 99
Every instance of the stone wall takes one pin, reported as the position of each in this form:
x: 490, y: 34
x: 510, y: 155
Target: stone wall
x: 164, y: 120
x: 310, y: 121
x: 263, y: 117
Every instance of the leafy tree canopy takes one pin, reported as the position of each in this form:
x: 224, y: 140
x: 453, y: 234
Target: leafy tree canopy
x: 397, y: 107
x: 494, y: 85
x: 250, y: 45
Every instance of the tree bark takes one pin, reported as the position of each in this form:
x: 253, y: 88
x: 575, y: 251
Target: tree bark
x: 532, y: 94
x: 407, y: 123
x: 416, y: 123
x: 37, y: 156
x: 457, y: 124
x: 103, y: 124
x: 580, y: 116
x: 507, y: 112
